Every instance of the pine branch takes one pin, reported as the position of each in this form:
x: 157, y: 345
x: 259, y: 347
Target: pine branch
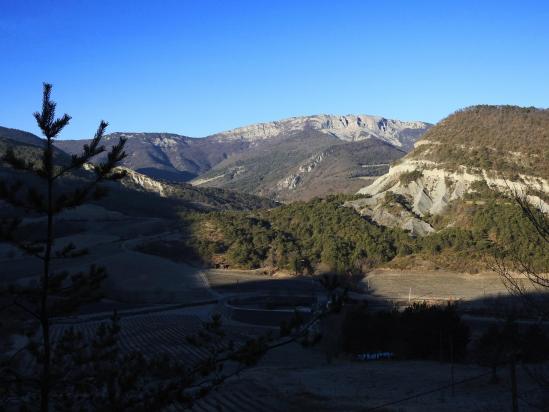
x: 31, y: 201
x: 7, y: 231
x: 88, y: 151
x: 105, y: 170
x: 9, y: 193
x: 30, y: 248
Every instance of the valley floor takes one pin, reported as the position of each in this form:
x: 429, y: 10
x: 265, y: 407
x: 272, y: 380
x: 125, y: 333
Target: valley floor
x: 162, y: 300
x: 308, y: 382
x: 294, y: 378
x: 433, y: 285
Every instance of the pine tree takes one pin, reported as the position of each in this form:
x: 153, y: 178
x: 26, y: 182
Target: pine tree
x: 57, y: 292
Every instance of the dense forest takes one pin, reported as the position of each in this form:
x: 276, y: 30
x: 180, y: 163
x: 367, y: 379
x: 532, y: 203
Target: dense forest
x: 324, y: 235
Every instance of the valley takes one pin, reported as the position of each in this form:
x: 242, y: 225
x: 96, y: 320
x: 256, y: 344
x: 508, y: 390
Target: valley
x: 274, y: 206
x: 181, y: 251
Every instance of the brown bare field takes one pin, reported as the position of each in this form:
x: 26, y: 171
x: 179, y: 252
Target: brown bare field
x: 433, y: 285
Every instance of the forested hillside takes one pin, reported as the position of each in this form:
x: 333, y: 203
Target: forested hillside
x: 507, y: 139
x: 323, y: 235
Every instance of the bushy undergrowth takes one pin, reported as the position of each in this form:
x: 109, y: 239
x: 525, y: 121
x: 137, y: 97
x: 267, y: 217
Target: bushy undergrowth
x: 499, y: 343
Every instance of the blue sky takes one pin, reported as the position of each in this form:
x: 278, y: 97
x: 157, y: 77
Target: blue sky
x: 197, y: 67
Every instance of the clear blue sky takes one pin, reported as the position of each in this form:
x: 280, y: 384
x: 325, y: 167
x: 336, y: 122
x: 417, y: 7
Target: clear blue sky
x: 201, y: 66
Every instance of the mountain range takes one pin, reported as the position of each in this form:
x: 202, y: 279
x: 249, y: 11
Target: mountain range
x: 291, y: 159
x: 312, y: 156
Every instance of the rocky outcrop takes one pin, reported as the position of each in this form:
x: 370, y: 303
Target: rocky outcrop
x: 140, y: 181
x: 467, y: 152
x: 433, y: 187
x: 348, y: 128
x: 292, y: 159
x: 292, y: 181
x: 393, y: 215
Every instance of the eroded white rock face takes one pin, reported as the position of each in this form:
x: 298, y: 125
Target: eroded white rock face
x: 165, y: 142
x: 437, y: 186
x: 348, y: 128
x: 144, y: 182
x: 312, y: 162
x: 427, y: 188
x: 402, y: 218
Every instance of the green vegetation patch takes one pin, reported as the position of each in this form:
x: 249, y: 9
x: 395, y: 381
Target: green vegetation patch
x: 323, y: 235
x: 304, y: 235
x: 408, y: 177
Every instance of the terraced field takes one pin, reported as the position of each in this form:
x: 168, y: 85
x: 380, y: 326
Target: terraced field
x: 239, y: 398
x: 165, y: 333
x: 154, y: 334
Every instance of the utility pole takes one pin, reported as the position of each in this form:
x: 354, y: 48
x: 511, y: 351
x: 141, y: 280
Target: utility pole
x: 514, y: 392
x: 452, y: 364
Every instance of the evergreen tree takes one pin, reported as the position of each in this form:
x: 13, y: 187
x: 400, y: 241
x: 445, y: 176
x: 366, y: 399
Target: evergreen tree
x: 56, y: 293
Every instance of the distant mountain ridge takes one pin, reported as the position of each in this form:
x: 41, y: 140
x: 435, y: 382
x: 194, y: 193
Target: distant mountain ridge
x: 349, y: 128
x: 136, y: 193
x: 20, y: 136
x: 260, y: 158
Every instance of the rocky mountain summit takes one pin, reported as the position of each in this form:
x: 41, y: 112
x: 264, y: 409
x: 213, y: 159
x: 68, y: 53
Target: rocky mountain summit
x: 349, y: 128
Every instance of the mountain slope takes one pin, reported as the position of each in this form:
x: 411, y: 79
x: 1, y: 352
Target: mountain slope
x: 20, y: 136
x: 166, y: 155
x: 135, y: 194
x: 305, y: 165
x: 269, y: 159
x: 504, y: 147
x: 26, y: 145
